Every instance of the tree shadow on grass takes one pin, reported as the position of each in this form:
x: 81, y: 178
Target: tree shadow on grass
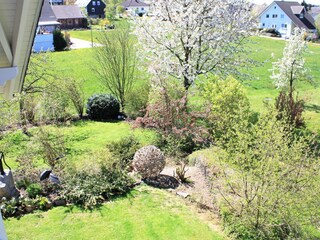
x: 312, y: 107
x: 162, y: 181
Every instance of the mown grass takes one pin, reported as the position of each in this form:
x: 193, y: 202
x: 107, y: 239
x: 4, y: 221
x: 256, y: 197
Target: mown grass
x: 81, y: 65
x: 261, y: 89
x: 145, y: 213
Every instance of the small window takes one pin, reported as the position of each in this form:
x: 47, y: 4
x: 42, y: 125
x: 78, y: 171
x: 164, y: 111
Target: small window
x: 275, y: 7
x: 282, y: 15
x: 267, y: 16
x: 284, y: 25
x: 98, y: 3
x: 301, y: 15
x: 142, y: 9
x: 263, y: 24
x: 93, y: 3
x: 93, y: 10
x: 274, y: 15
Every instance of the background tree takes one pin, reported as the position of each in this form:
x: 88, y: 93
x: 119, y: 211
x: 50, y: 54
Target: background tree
x: 187, y: 38
x: 291, y: 68
x: 285, y: 73
x: 317, y: 23
x: 116, y: 61
x: 111, y: 10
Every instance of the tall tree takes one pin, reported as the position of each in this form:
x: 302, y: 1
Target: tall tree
x: 116, y: 60
x: 187, y: 38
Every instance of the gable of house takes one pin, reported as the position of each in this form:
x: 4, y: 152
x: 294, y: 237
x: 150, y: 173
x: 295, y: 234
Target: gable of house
x: 297, y: 14
x: 83, y: 3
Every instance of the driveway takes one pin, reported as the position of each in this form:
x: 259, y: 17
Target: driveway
x: 79, y: 43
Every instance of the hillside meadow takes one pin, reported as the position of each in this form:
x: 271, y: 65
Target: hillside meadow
x: 80, y: 64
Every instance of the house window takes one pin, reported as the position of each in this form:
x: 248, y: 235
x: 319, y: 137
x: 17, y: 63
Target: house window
x: 282, y: 15
x: 98, y: 3
x: 301, y: 15
x: 274, y: 15
x: 69, y: 22
x: 93, y: 3
x: 142, y: 9
x: 275, y: 7
x: 274, y: 26
x: 263, y: 24
x: 267, y: 16
x: 284, y: 25
x: 93, y: 10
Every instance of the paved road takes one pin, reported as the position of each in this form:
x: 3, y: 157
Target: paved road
x: 79, y: 43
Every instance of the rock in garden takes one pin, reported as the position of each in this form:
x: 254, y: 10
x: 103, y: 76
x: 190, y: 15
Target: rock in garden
x: 148, y: 161
x: 7, y: 187
x: 183, y: 194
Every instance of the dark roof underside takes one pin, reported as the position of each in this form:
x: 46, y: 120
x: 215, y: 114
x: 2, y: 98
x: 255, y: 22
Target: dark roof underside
x: 67, y: 11
x: 306, y: 22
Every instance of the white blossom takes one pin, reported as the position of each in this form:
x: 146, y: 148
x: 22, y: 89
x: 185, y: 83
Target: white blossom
x: 186, y: 38
x: 291, y: 66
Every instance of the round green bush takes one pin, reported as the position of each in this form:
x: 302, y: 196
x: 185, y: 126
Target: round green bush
x: 103, y: 107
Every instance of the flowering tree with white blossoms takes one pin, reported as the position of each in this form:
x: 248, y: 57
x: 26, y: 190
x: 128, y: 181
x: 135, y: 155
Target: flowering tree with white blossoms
x: 186, y: 38
x: 291, y: 67
x: 285, y: 72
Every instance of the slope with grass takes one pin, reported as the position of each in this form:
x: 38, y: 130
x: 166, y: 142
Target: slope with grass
x: 261, y: 89
x: 81, y: 64
x: 145, y: 213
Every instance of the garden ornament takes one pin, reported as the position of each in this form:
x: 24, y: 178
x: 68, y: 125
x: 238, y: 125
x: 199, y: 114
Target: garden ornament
x: 48, y: 174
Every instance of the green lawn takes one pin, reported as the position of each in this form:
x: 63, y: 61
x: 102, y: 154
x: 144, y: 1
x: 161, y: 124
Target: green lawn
x: 80, y: 64
x: 261, y: 86
x: 145, y: 213
x: 81, y: 138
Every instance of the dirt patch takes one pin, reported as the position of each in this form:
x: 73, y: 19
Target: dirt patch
x: 199, y: 194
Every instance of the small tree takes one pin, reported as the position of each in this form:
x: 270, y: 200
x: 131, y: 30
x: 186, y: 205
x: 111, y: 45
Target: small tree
x: 285, y: 73
x: 111, y: 10
x: 317, y: 23
x: 291, y: 67
x: 266, y: 171
x: 116, y: 60
x: 59, y: 42
x: 74, y: 91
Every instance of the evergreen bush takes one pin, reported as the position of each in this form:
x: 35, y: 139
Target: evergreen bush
x: 102, y: 107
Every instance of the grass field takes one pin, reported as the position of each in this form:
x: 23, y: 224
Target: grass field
x: 80, y: 64
x: 144, y: 213
x: 81, y: 139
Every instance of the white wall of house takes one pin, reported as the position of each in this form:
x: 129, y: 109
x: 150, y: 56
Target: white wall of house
x: 274, y: 17
x: 138, y: 10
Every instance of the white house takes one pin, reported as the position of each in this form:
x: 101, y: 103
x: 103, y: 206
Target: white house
x: 136, y: 7
x: 285, y: 16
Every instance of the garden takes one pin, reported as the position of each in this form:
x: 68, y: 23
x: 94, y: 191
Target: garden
x: 111, y: 141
